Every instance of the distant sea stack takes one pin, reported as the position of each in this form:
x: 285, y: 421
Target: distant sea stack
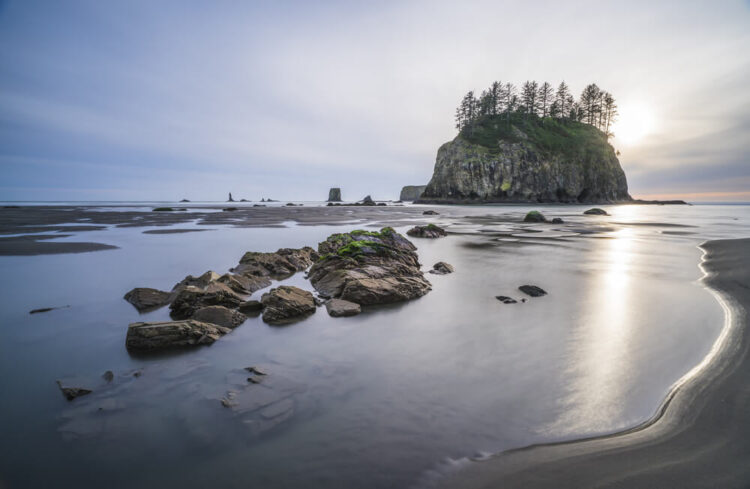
x: 412, y: 192
x: 334, y: 195
x: 230, y: 197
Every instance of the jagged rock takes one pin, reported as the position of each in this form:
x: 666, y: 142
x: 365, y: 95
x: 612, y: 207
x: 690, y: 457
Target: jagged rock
x: 428, y: 231
x: 286, y: 303
x: 442, y: 268
x: 191, y: 298
x: 250, y: 307
x: 146, y: 299
x: 220, y: 315
x: 334, y: 195
x: 368, y: 200
x: 71, y: 393
x: 505, y: 299
x: 341, y: 308
x: 201, y: 281
x: 368, y: 267
x: 411, y: 192
x: 282, y: 263
x: 430, y: 213
x: 557, y: 220
x: 534, y: 216
x: 596, y: 212
x: 172, y: 334
x: 243, y: 284
x: 532, y: 290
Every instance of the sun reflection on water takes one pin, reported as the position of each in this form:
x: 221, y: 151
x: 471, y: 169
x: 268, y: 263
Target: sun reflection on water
x: 599, y: 346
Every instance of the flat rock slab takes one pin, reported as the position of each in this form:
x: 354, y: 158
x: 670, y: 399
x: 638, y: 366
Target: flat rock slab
x: 532, y: 290
x: 341, y: 308
x: 71, y: 393
x: 172, y: 334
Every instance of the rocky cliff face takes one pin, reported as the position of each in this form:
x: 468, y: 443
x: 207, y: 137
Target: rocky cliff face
x: 582, y: 167
x: 411, y: 192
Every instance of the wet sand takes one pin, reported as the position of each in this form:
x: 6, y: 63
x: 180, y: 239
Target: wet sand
x: 700, y: 436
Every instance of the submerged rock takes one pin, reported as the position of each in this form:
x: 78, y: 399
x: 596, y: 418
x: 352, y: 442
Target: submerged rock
x: 442, y: 268
x: 172, y: 334
x: 428, y: 231
x: 596, y: 212
x: 505, y: 299
x: 341, y: 308
x: 534, y: 216
x: 532, y: 290
x: 367, y: 267
x: 191, y: 298
x: 71, y: 393
x: 146, y: 299
x: 286, y: 303
x: 220, y: 315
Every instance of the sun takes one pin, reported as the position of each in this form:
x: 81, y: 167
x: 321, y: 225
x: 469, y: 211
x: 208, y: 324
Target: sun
x: 634, y: 122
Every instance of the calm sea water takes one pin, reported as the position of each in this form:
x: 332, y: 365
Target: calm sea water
x: 383, y: 399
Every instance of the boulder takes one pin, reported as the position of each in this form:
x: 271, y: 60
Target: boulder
x: 368, y: 267
x: 341, y: 308
x: 442, y: 268
x: 280, y: 264
x: 334, y: 195
x: 596, y: 212
x: 557, y: 220
x: 532, y: 290
x: 71, y: 393
x: 146, y: 299
x: 286, y: 303
x: 243, y: 284
x: 534, y: 216
x: 250, y: 307
x: 229, y: 318
x: 172, y: 334
x: 428, y: 231
x: 191, y: 298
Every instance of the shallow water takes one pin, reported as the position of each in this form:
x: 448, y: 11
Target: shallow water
x: 379, y: 400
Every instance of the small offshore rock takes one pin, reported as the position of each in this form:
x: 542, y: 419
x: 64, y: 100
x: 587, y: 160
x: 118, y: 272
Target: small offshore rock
x: 596, y: 212
x: 442, y: 268
x: 146, y: 299
x: 430, y: 213
x: 368, y: 200
x: 506, y: 300
x: 534, y: 216
x: 532, y: 290
x: 342, y: 308
x: 255, y: 379
x: 220, y: 315
x: 557, y: 220
x: 71, y: 393
x: 286, y: 303
x: 108, y: 376
x: 256, y: 370
x: 429, y: 231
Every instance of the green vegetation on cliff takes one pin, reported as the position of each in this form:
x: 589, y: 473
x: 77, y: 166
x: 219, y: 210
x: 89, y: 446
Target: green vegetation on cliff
x: 547, y: 136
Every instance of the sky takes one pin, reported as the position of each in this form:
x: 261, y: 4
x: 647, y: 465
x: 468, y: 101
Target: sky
x: 164, y: 100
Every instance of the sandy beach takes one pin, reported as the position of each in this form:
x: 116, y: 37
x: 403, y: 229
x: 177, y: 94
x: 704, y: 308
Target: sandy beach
x: 699, y: 436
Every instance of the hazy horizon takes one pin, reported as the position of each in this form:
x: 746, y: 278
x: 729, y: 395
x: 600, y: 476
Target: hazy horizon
x: 138, y: 101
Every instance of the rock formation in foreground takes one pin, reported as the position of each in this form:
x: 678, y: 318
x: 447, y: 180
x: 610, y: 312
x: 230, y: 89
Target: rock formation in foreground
x: 334, y: 195
x: 367, y: 267
x: 411, y: 192
x: 527, y: 160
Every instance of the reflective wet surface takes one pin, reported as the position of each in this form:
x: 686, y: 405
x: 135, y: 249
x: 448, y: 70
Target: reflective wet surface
x: 377, y: 400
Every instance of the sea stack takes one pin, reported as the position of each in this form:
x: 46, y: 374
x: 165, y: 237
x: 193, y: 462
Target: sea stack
x: 230, y: 197
x: 334, y: 195
x: 411, y: 193
x: 527, y: 160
